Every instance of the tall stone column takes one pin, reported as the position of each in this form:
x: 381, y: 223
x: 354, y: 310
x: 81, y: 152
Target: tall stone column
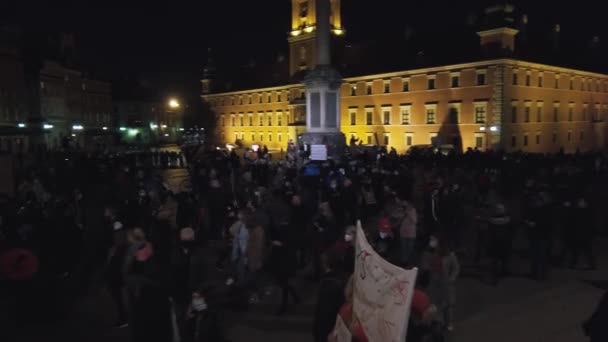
x: 323, y: 92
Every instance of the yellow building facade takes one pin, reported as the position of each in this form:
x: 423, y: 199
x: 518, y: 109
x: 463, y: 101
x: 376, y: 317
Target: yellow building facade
x: 500, y: 104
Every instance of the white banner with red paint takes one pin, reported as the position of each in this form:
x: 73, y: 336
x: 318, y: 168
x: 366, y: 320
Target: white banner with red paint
x: 382, y: 294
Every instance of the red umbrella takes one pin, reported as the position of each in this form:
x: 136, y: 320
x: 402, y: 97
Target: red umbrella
x: 18, y: 264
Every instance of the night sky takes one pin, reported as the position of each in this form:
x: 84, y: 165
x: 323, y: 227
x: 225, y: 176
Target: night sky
x: 165, y: 43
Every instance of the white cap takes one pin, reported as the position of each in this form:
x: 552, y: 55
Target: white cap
x: 117, y: 226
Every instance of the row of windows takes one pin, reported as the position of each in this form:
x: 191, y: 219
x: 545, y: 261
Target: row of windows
x: 525, y: 141
x: 594, y: 113
x: 261, y: 98
x: 587, y: 84
x: 480, y: 80
x: 430, y: 112
x: 262, y: 119
x: 256, y: 137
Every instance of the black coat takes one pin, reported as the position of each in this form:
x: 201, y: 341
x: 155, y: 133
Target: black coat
x: 329, y: 300
x: 596, y: 327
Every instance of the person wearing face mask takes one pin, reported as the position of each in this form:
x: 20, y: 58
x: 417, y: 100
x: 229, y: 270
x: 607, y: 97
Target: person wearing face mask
x: 344, y: 250
x: 385, y: 236
x: 202, y: 323
x: 441, y: 267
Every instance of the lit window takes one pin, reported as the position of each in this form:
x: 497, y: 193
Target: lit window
x: 431, y: 115
x: 478, y: 141
x: 405, y: 114
x: 481, y: 78
x: 480, y: 112
x: 353, y: 90
x: 353, y: 117
x: 409, y: 139
x: 455, y: 81
x: 386, y: 115
x: 454, y: 114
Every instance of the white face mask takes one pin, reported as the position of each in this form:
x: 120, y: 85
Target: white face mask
x: 383, y: 235
x: 348, y: 237
x: 199, y: 304
x: 433, y: 243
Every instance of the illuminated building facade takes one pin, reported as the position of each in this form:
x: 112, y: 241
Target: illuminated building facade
x: 497, y: 102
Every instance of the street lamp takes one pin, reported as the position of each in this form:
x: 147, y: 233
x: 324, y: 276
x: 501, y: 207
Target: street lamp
x: 173, y: 103
x: 487, y: 128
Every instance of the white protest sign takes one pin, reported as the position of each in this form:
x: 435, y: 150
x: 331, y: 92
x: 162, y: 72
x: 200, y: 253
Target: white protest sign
x: 318, y: 152
x: 382, y: 294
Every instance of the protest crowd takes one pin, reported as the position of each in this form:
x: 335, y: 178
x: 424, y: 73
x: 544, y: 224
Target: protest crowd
x: 173, y: 261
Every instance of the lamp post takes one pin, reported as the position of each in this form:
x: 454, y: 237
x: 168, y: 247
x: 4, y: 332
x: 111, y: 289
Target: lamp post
x: 487, y: 129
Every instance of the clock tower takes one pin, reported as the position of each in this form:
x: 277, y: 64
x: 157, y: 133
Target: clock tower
x: 302, y: 38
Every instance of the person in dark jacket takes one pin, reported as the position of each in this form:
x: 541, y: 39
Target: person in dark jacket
x: 583, y: 240
x: 537, y: 219
x: 202, y: 322
x: 329, y: 298
x: 596, y: 327
x: 284, y: 263
x: 499, y: 229
x: 115, y: 274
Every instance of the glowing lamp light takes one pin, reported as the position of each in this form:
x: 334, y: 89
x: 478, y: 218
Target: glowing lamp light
x: 163, y: 126
x: 181, y: 129
x: 493, y: 128
x: 153, y: 126
x: 73, y: 134
x: 77, y: 127
x: 482, y: 128
x: 47, y: 126
x: 166, y: 134
x: 133, y: 132
x: 21, y: 125
x: 173, y: 103
x: 122, y: 129
x: 296, y: 33
x: 104, y: 128
x: 309, y: 29
x: 338, y: 32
